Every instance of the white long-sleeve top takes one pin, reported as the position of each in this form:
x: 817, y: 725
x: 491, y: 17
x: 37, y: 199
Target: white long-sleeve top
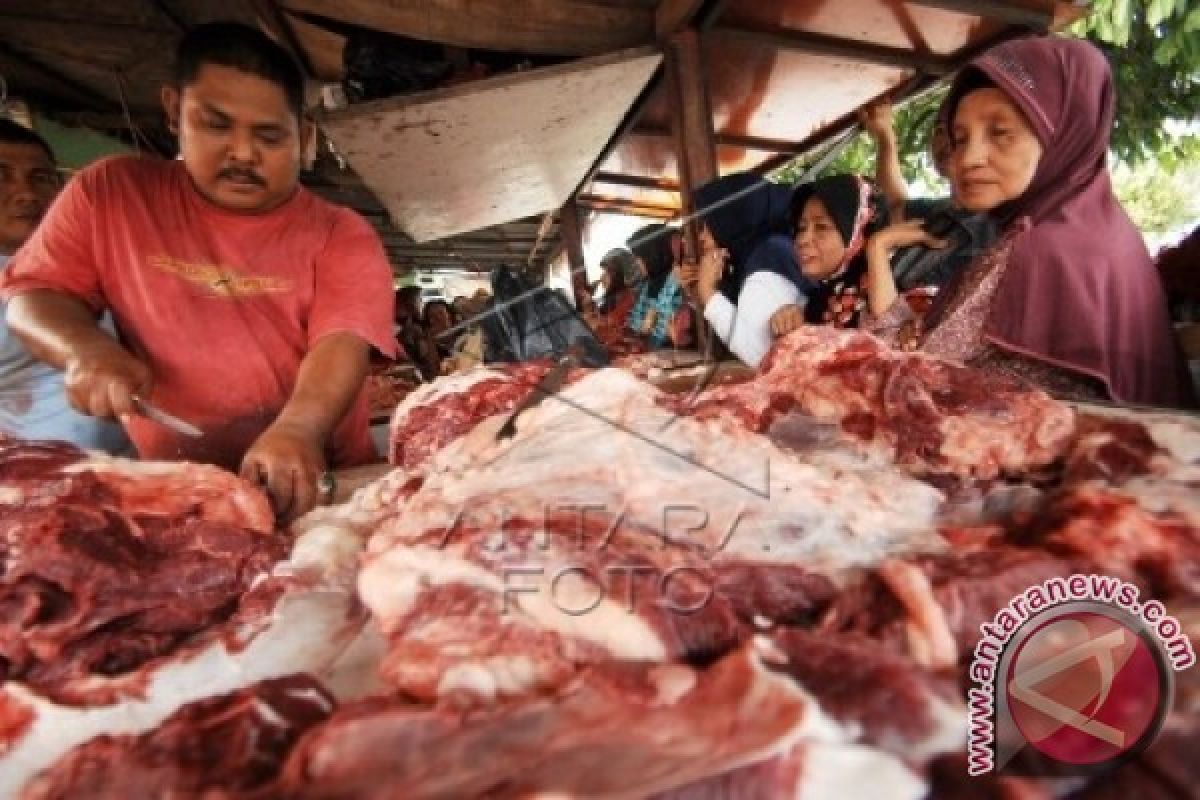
x: 745, y: 328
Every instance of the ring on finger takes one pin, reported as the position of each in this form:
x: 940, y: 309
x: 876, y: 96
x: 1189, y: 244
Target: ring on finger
x: 327, y: 486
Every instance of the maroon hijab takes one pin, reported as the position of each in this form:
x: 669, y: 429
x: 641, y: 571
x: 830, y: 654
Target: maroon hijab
x: 1080, y: 290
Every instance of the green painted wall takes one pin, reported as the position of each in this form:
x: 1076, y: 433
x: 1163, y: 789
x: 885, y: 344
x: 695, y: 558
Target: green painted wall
x: 77, y: 147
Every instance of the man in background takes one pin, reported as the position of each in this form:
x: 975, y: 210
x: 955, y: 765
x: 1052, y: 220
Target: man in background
x: 33, y: 401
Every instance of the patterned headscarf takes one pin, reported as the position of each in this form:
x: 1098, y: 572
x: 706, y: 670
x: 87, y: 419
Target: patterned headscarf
x: 858, y: 210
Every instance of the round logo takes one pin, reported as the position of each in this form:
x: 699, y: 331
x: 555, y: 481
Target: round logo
x: 1086, y: 687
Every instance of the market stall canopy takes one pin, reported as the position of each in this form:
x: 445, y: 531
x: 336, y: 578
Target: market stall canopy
x: 781, y: 76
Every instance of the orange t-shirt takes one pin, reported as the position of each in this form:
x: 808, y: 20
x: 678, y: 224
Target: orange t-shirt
x: 222, y: 306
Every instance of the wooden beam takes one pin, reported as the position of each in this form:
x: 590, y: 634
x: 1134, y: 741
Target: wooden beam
x: 636, y: 181
x: 999, y: 10
x: 571, y: 233
x: 453, y: 249
x: 672, y: 16
x: 170, y: 14
x: 620, y: 205
x: 86, y: 96
x: 323, y: 47
x: 272, y: 19
x: 729, y: 140
x: 691, y: 114
x: 504, y: 258
x: 836, y: 47
x: 543, y: 230
x: 755, y: 143
x: 549, y: 27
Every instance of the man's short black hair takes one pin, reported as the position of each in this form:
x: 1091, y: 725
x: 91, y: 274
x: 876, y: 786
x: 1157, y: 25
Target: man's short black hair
x: 14, y: 133
x: 231, y: 44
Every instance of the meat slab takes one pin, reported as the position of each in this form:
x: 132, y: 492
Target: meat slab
x: 130, y: 589
x: 438, y: 413
x: 928, y: 415
x: 233, y: 744
x: 517, y: 561
x: 615, y: 731
x: 192, y: 539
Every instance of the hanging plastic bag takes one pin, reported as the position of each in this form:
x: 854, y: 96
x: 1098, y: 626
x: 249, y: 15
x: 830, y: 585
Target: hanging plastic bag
x: 527, y: 322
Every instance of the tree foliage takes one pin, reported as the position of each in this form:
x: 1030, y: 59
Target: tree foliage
x: 1158, y: 203
x: 1154, y: 49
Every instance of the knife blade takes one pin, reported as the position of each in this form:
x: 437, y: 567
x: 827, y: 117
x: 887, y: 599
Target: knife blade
x: 153, y: 412
x: 550, y: 384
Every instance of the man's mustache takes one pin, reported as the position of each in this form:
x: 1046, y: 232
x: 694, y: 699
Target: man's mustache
x: 238, y: 174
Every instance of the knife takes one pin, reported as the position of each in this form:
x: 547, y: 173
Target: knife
x: 153, y: 412
x: 548, y: 385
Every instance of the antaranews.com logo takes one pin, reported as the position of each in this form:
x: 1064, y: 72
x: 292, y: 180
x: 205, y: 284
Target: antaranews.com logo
x: 1076, y: 668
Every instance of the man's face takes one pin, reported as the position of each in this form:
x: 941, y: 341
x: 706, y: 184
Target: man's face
x: 240, y: 140
x: 28, y: 182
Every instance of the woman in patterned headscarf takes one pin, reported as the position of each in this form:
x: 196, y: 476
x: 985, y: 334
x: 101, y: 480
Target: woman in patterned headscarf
x: 832, y: 220
x: 1068, y: 296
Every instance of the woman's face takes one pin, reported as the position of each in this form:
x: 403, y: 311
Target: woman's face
x: 439, y: 319
x: 706, y: 240
x: 607, y: 277
x: 818, y: 243
x: 995, y: 150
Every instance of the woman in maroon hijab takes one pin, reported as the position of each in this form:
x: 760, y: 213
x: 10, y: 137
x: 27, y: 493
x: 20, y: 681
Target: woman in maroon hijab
x: 1068, y: 296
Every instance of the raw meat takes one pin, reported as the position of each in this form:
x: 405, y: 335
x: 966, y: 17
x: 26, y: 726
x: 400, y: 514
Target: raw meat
x: 930, y: 607
x: 1110, y: 533
x: 836, y: 770
x: 510, y: 565
x: 438, y: 413
x: 233, y: 744
x: 67, y: 611
x: 192, y: 539
x: 299, y: 616
x: 615, y: 731
x: 931, y: 416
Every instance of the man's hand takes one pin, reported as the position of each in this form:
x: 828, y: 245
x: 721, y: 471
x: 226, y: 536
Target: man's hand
x: 289, y: 457
x: 287, y: 461
x: 786, y: 320
x: 102, y: 379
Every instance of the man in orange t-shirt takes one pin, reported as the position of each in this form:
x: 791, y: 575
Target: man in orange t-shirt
x: 244, y: 303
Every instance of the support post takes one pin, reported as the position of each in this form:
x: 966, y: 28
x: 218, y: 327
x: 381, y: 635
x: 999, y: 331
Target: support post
x: 572, y: 237
x: 695, y: 144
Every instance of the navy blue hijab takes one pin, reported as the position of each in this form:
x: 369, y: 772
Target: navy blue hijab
x: 751, y: 218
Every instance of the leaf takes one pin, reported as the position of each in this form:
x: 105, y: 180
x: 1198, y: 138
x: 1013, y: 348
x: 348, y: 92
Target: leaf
x: 1158, y: 11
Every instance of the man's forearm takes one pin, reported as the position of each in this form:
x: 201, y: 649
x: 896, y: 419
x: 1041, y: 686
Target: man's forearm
x: 54, y: 326
x: 330, y: 377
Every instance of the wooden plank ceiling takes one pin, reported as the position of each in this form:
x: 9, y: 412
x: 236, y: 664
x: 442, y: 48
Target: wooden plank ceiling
x: 782, y: 76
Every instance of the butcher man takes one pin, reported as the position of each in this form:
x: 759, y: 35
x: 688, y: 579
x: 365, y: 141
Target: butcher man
x: 245, y: 305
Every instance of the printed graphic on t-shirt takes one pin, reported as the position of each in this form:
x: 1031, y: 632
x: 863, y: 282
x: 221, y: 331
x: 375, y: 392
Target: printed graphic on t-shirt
x: 220, y: 281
